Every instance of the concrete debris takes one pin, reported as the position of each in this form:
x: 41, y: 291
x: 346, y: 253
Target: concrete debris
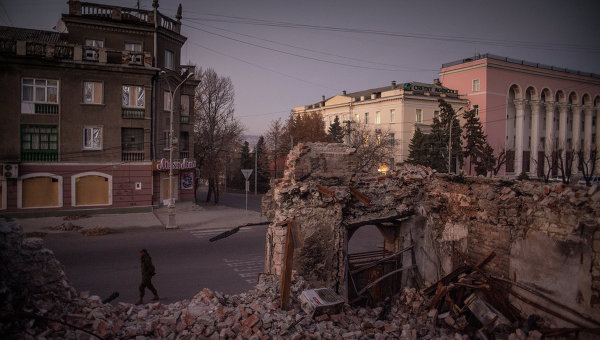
x: 97, y: 231
x: 67, y: 226
x: 320, y: 301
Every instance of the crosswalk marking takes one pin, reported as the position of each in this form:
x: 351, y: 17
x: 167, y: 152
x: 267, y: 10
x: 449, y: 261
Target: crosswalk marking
x: 247, y: 268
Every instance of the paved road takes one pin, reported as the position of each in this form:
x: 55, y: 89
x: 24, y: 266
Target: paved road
x: 234, y: 200
x: 185, y: 261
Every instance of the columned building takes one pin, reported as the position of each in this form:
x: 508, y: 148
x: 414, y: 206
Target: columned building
x: 541, y: 115
x: 86, y: 112
x: 396, y: 110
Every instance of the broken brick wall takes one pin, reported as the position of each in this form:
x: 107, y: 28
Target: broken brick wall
x: 544, y: 236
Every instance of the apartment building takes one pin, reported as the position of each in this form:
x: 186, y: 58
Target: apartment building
x: 86, y: 112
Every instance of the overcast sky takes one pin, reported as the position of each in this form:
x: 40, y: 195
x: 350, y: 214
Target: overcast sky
x: 280, y: 54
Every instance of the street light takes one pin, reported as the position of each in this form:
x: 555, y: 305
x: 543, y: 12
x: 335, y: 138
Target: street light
x: 450, y: 139
x: 172, y: 224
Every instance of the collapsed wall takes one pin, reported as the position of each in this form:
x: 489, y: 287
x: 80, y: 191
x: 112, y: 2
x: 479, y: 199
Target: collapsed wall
x: 543, y: 236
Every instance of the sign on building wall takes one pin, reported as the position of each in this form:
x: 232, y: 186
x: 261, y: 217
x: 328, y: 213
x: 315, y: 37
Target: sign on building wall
x: 187, y: 180
x: 163, y: 164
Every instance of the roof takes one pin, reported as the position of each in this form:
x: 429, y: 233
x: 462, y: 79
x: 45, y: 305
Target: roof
x: 519, y: 62
x: 17, y: 33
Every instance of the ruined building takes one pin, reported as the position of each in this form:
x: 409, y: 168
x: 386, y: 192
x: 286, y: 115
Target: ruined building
x: 543, y: 236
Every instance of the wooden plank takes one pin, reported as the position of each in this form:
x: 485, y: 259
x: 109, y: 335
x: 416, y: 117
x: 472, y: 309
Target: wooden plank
x: 286, y: 275
x: 326, y: 191
x: 383, y: 277
x: 366, y: 201
x: 358, y: 270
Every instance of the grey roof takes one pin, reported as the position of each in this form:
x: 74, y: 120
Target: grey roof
x: 17, y: 33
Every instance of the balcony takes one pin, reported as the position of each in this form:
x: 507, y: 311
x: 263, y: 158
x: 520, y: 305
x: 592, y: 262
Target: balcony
x: 46, y: 108
x: 132, y: 156
x: 184, y: 154
x: 184, y: 119
x: 39, y: 155
x: 132, y: 113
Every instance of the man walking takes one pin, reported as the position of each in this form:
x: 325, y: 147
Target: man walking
x: 147, y: 273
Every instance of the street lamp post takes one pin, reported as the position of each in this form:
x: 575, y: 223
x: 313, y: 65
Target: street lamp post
x: 172, y: 224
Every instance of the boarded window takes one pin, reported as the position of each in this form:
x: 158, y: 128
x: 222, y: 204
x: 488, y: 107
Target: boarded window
x: 91, y: 190
x: 39, y: 192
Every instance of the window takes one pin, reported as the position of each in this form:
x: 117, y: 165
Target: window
x: 133, y: 47
x: 92, y: 92
x: 132, y: 139
x: 366, y: 118
x: 167, y: 101
x: 378, y: 136
x: 392, y: 141
x: 166, y: 139
x: 377, y: 117
x: 185, y: 105
x: 184, y: 143
x: 94, y: 43
x: 392, y: 115
x: 39, y: 90
x: 475, y: 85
x: 476, y: 108
x: 133, y: 96
x: 39, y: 143
x: 169, y: 59
x: 92, y: 138
x: 419, y: 116
x: 356, y: 117
x: 436, y: 114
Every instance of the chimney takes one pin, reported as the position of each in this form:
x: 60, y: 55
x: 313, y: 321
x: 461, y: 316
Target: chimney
x: 436, y: 81
x: 393, y: 84
x: 323, y: 97
x: 344, y: 92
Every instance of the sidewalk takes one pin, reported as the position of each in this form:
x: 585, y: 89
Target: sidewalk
x: 187, y: 215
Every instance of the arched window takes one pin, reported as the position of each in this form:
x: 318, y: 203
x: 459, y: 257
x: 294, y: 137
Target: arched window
x: 91, y: 188
x: 39, y: 190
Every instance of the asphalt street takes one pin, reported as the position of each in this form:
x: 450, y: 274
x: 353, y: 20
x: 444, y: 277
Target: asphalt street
x: 185, y: 261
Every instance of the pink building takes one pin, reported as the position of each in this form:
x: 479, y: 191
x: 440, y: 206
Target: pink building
x: 531, y: 110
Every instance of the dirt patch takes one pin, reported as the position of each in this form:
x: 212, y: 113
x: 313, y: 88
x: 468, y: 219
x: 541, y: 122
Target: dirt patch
x: 97, y: 231
x: 39, y: 234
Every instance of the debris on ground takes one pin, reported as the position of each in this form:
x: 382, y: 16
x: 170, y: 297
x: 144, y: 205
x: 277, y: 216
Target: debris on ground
x: 67, y: 226
x: 38, y: 234
x: 97, y: 231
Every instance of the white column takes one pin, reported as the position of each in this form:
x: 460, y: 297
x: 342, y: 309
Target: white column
x: 519, y: 116
x: 563, y: 109
x: 535, y: 137
x: 549, y: 147
x: 597, y: 109
x: 587, y: 132
x: 576, y: 136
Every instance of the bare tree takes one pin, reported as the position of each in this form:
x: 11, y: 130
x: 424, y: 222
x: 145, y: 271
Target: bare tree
x: 566, y: 156
x: 548, y: 162
x: 216, y: 130
x: 373, y: 147
x: 500, y: 159
x: 587, y: 161
x: 278, y: 141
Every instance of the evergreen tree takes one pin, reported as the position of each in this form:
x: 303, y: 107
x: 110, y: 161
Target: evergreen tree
x: 440, y: 135
x: 475, y: 140
x: 263, y: 165
x: 245, y: 158
x: 487, y: 160
x: 418, y: 149
x: 335, y: 134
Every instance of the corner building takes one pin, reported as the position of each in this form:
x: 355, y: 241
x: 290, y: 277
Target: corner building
x: 86, y: 112
x: 397, y: 109
x: 533, y: 111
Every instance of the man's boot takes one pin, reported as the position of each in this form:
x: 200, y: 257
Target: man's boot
x: 155, y: 298
x: 139, y: 302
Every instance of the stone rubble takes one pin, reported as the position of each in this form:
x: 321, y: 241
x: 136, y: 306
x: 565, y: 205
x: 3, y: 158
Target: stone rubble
x: 38, y: 302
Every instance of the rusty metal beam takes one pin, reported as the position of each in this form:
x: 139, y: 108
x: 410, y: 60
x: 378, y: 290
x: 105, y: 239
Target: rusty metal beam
x: 370, y: 285
x: 371, y: 265
x: 326, y: 191
x: 376, y: 221
x: 366, y: 201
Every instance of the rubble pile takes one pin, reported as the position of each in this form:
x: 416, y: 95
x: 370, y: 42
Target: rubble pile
x: 67, y: 226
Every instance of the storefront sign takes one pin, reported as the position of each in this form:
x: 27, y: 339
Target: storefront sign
x: 163, y: 164
x: 411, y: 87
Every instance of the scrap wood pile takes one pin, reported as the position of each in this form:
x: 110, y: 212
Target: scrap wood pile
x: 472, y: 301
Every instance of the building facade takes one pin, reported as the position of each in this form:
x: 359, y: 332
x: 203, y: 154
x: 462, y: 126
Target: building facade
x: 395, y: 110
x: 86, y: 112
x: 534, y: 112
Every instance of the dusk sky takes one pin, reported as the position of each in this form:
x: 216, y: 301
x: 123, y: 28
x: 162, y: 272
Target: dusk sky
x: 282, y: 54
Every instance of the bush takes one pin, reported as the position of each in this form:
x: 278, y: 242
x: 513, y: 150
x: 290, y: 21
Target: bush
x: 523, y: 176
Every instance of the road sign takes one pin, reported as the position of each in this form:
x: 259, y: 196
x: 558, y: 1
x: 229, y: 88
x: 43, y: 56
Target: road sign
x: 247, y: 173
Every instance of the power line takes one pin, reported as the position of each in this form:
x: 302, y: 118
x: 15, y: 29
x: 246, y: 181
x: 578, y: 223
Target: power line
x: 461, y: 39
